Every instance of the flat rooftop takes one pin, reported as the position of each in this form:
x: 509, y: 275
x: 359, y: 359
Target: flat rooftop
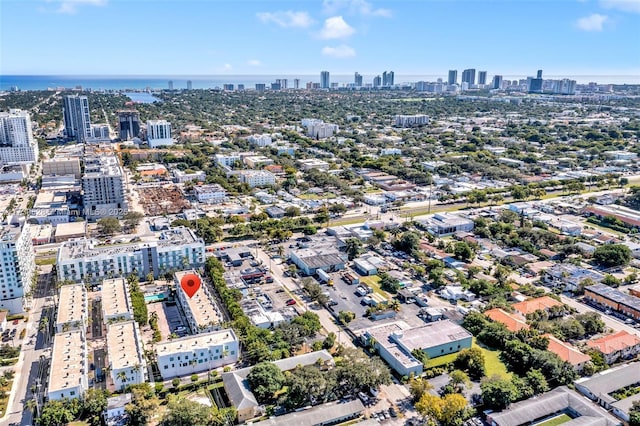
x: 67, y: 361
x: 201, y: 305
x: 71, y: 228
x: 71, y: 305
x: 115, y: 297
x: 382, y: 335
x: 191, y: 343
x: 433, y: 334
x: 89, y: 247
x: 615, y: 295
x: 123, y: 345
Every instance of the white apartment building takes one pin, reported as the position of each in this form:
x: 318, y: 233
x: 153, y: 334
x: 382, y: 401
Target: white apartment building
x: 200, y: 311
x: 17, y: 145
x: 257, y: 178
x: 103, y: 188
x: 72, y: 308
x: 390, y: 151
x: 182, y: 177
x: 213, y: 194
x: 321, y: 130
x: 127, y: 364
x: 228, y: 160
x: 260, y: 140
x: 195, y: 354
x: 50, y: 207
x: 84, y: 260
x: 116, y: 300
x: 159, y: 133
x: 411, y: 120
x: 17, y: 266
x: 99, y: 133
x: 68, y: 373
x: 313, y: 163
x: 257, y: 161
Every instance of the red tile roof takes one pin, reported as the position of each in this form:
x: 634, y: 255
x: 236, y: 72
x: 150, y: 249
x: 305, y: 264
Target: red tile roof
x: 614, y: 342
x: 537, y: 304
x: 566, y: 352
x: 511, y: 321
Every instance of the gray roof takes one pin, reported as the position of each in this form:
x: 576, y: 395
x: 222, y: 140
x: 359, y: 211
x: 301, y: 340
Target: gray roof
x: 557, y: 400
x: 615, y: 295
x: 118, y: 401
x: 325, y: 414
x: 624, y: 405
x: 611, y: 380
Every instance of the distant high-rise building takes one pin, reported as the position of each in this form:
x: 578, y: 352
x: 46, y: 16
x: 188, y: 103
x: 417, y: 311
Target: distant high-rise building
x: 535, y: 84
x: 296, y: 83
x: 469, y: 76
x: 497, y: 82
x: 77, y: 118
x: 170, y: 84
x: 325, y: 81
x: 284, y: 83
x: 129, y: 125
x: 103, y: 187
x: 228, y: 87
x: 357, y: 79
x: 261, y: 87
x: 377, y: 81
x: 453, y: 77
x: 19, y: 265
x: 276, y: 85
x: 189, y: 85
x: 482, y: 78
x: 240, y: 87
x: 387, y: 78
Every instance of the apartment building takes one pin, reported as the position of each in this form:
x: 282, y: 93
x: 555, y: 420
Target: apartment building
x: 103, y: 187
x: 17, y: 265
x: 68, y: 372
x: 200, y: 311
x: 86, y: 260
x: 127, y: 364
x: 195, y: 354
x: 116, y: 300
x: 73, y: 307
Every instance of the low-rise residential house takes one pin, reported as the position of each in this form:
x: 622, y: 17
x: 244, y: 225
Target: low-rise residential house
x: 620, y: 345
x: 212, y: 194
x: 544, y: 303
x: 568, y: 276
x: 599, y: 387
x: 567, y: 353
x: 115, y: 413
x: 443, y: 224
x: 513, y: 322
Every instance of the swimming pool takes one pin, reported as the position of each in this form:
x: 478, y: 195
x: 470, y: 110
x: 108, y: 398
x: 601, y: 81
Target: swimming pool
x: 155, y: 298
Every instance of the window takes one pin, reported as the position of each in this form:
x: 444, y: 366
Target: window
x: 166, y: 367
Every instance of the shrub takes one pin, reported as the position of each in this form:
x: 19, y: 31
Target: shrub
x: 194, y: 378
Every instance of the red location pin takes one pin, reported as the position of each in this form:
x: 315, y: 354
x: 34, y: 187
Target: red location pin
x: 190, y: 283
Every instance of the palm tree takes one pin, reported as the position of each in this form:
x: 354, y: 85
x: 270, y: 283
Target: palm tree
x: 280, y: 251
x: 122, y: 376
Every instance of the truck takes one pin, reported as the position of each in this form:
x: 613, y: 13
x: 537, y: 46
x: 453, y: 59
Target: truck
x: 350, y: 278
x: 323, y: 277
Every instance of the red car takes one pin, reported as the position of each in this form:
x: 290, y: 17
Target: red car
x: 16, y: 322
x: 291, y: 302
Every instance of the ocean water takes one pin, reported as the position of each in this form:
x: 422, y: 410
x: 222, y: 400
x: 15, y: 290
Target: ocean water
x: 136, y: 83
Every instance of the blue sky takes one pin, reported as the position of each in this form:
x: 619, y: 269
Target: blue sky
x: 411, y: 37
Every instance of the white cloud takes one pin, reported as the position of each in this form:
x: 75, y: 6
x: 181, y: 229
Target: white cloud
x: 336, y: 27
x: 593, y: 22
x: 71, y: 6
x: 361, y: 7
x: 287, y: 19
x: 341, y: 51
x: 254, y: 62
x: 624, y: 5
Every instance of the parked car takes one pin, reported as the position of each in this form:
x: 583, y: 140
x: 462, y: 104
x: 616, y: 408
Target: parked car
x: 291, y: 302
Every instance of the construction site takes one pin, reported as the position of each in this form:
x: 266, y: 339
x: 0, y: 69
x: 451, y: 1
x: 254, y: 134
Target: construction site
x: 160, y: 200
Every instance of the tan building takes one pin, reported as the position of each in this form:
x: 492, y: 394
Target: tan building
x: 62, y: 166
x: 66, y: 231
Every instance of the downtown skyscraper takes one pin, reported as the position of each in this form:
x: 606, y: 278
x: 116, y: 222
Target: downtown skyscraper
x: 325, y: 81
x: 77, y: 118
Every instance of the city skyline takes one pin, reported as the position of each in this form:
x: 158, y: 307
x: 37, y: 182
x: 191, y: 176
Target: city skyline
x: 341, y: 36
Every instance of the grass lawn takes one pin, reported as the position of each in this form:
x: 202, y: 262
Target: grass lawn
x: 555, y: 421
x: 48, y: 261
x: 373, y: 282
x: 492, y: 362
x: 5, y: 399
x: 324, y: 195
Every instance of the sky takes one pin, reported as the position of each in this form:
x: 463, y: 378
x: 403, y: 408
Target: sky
x: 411, y: 37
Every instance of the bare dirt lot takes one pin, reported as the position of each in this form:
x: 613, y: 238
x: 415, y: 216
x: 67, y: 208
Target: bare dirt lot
x: 167, y: 199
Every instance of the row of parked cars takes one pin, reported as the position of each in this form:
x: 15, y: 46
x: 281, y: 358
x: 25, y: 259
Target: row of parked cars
x: 8, y: 334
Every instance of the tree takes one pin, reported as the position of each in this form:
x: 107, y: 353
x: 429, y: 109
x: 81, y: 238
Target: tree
x: 292, y: 211
x: 109, y: 225
x: 265, y: 380
x: 612, y: 255
x: 536, y: 381
x: 95, y: 402
x: 353, y: 247
x: 132, y: 219
x: 388, y: 283
x: 498, y: 393
x: 182, y: 411
x: 59, y: 412
x: 459, y: 379
x: 314, y: 290
x: 447, y: 411
x: 634, y: 414
x: 471, y: 360
x: 306, y: 385
x: 463, y: 251
x: 611, y: 281
x: 346, y: 317
x: 418, y: 387
x: 143, y: 406
x: 356, y: 371
x: 409, y: 242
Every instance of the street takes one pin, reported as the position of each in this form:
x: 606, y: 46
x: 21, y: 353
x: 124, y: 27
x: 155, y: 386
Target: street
x: 34, y: 356
x: 611, y: 322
